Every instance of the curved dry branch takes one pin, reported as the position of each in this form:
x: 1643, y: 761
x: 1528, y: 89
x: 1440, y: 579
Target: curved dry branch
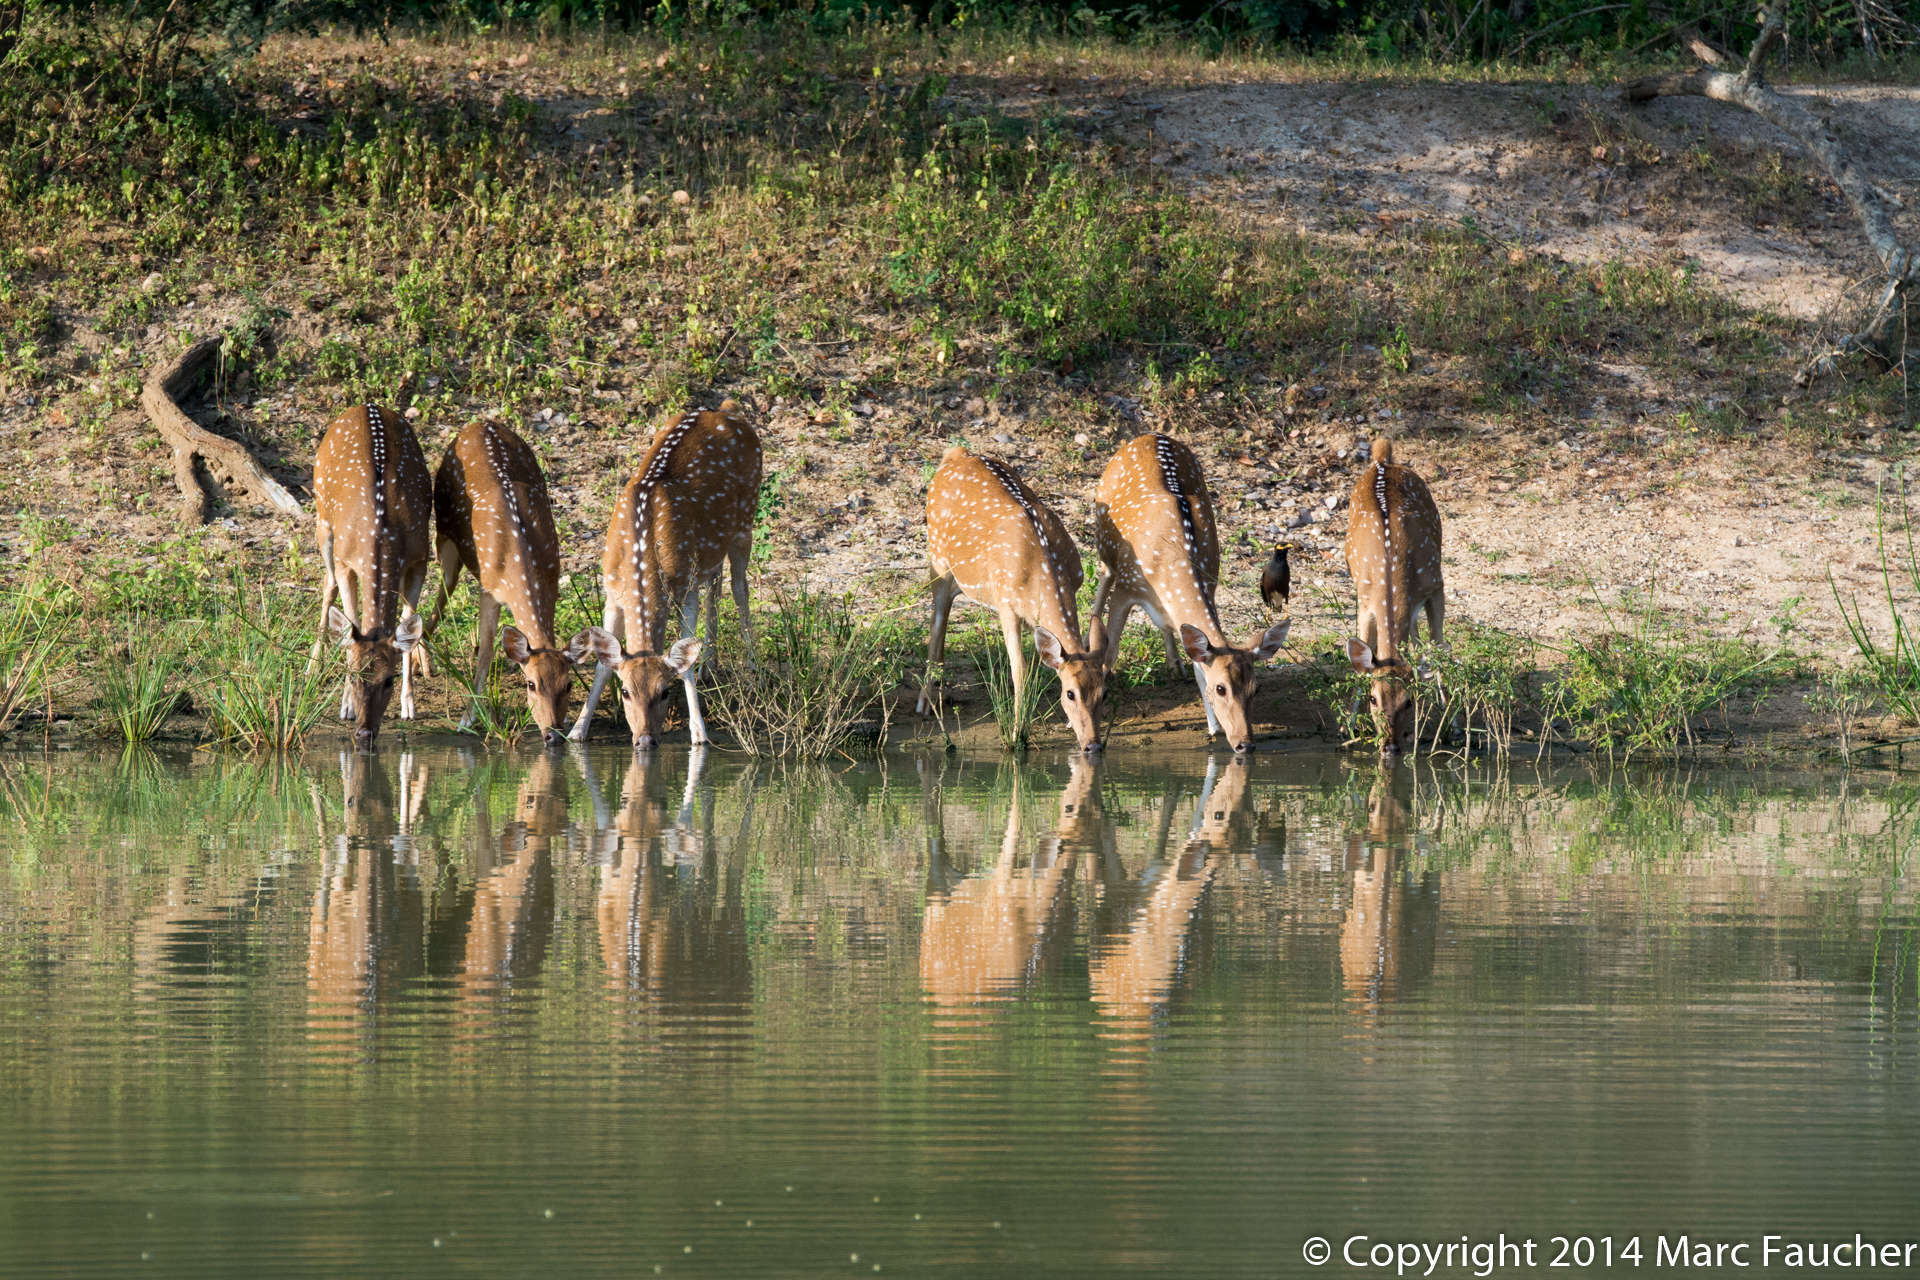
x: 1749, y: 89
x: 227, y: 461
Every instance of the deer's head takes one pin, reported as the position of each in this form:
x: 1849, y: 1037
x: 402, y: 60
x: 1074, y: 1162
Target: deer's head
x: 374, y: 660
x: 646, y: 679
x: 549, y: 680
x: 1390, y: 697
x: 1226, y: 676
x: 1083, y: 681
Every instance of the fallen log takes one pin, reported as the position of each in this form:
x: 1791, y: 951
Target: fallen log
x: 1877, y: 339
x: 227, y: 461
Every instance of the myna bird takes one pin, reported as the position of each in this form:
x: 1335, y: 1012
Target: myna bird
x: 1276, y: 582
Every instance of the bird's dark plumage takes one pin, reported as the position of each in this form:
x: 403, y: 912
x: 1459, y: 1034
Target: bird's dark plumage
x: 1276, y: 582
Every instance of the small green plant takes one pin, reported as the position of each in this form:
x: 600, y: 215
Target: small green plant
x: 1478, y: 682
x: 261, y: 693
x: 1845, y: 695
x: 1640, y: 686
x: 497, y: 709
x: 1013, y: 716
x: 140, y: 693
x: 823, y: 673
x: 33, y: 621
x: 1893, y: 667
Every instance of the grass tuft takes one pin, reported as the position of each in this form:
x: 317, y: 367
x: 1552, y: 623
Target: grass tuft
x: 823, y: 676
x: 140, y: 694
x: 260, y: 694
x: 1891, y: 668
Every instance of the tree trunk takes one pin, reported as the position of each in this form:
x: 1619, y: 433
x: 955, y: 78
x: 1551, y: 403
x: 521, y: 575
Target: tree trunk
x: 226, y: 461
x: 1878, y: 339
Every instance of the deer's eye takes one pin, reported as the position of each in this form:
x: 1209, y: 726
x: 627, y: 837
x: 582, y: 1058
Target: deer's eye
x: 1220, y: 689
x: 387, y: 683
x: 1071, y: 697
x: 531, y: 685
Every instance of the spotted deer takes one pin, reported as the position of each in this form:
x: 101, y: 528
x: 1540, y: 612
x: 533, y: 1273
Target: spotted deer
x: 373, y: 507
x: 1160, y: 552
x: 686, y: 514
x: 1387, y: 931
x: 494, y: 521
x: 991, y: 539
x: 1393, y: 554
x: 1134, y: 970
x: 985, y: 937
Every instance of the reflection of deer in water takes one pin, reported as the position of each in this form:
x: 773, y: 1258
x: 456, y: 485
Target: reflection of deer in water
x: 983, y: 938
x: 365, y: 935
x: 1133, y: 972
x: 1386, y: 939
x: 664, y: 926
x: 512, y: 916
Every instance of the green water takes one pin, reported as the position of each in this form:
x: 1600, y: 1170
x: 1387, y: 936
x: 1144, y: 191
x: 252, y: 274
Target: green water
x: 592, y: 1014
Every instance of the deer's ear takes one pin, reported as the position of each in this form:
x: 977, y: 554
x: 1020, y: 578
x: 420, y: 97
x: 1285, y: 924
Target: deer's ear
x: 1195, y: 642
x: 1360, y: 655
x: 594, y: 643
x: 684, y: 654
x: 515, y: 646
x: 407, y: 634
x: 1266, y: 646
x: 1047, y: 646
x: 340, y: 626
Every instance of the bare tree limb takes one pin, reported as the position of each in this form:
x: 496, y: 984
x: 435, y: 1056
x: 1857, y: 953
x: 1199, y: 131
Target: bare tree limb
x: 1749, y: 90
x: 227, y: 461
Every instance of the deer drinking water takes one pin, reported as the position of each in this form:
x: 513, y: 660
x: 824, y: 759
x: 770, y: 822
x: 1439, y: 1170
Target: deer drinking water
x: 1160, y: 552
x: 1393, y: 553
x: 490, y: 500
x: 373, y: 505
x: 686, y: 514
x: 991, y: 539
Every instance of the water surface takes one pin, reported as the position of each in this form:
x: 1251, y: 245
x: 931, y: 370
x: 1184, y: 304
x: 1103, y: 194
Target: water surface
x: 597, y: 1013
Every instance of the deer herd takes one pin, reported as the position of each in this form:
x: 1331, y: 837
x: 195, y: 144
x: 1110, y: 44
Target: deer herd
x: 688, y: 513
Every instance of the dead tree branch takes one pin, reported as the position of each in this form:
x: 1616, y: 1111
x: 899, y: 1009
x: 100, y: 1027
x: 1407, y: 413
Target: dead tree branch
x: 227, y: 461
x: 1877, y: 340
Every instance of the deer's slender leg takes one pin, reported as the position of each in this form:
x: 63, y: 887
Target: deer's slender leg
x: 612, y: 619
x: 944, y: 592
x: 350, y: 599
x: 413, y: 579
x: 1436, y: 613
x: 1120, y: 607
x: 1017, y: 663
x: 329, y: 591
x: 449, y: 555
x: 1213, y: 722
x: 689, y: 623
x: 737, y: 561
x: 483, y: 636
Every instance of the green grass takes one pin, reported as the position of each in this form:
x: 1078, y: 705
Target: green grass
x: 140, y: 693
x: 1642, y: 684
x: 35, y: 619
x: 258, y: 692
x: 821, y: 684
x: 1891, y: 665
x: 1013, y: 717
